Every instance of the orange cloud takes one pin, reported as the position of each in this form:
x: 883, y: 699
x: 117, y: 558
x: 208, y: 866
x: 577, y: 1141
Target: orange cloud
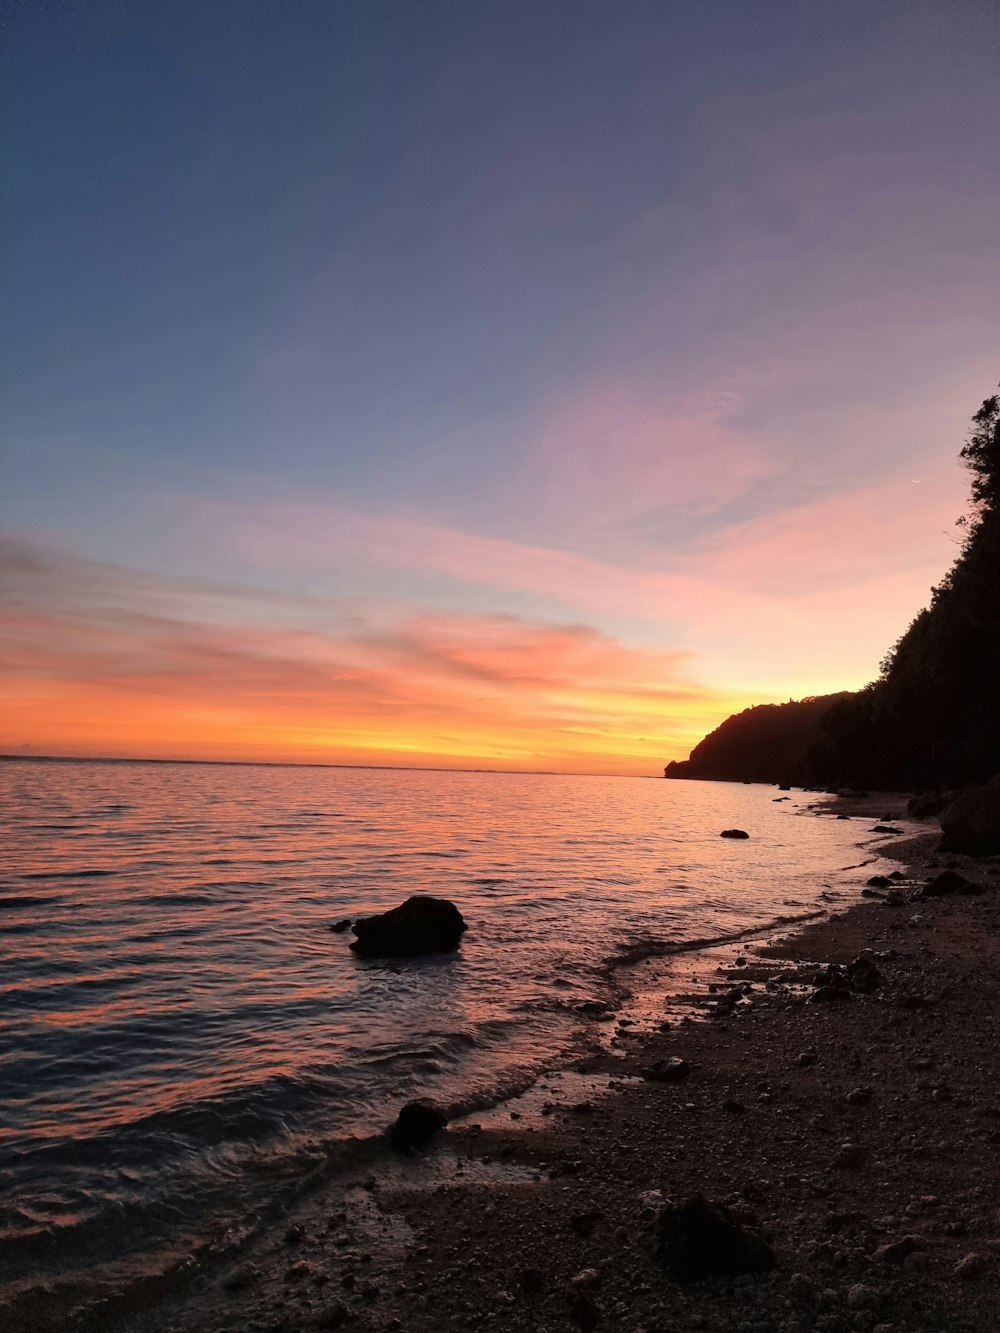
x: 99, y: 661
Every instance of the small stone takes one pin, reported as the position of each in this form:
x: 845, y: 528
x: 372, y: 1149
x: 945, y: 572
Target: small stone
x: 334, y: 1316
x: 584, y: 1311
x: 532, y: 1281
x: 295, y: 1235
x: 670, y: 1070
x: 240, y: 1277
x: 585, y: 1279
x: 860, y: 1096
x: 970, y: 1266
x: 850, y: 1155
x: 898, y: 1250
x: 862, y: 1297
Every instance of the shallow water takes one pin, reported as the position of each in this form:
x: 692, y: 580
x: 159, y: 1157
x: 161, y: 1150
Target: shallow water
x: 179, y: 1029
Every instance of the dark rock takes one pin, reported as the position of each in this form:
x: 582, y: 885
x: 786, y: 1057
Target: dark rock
x: 420, y: 925
x: 886, y: 828
x: 339, y: 927
x: 784, y: 786
x: 863, y: 974
x: 416, y: 1124
x: 880, y: 882
x: 870, y: 893
x: 971, y: 823
x: 699, y: 1239
x: 897, y: 1250
x: 334, y: 1316
x: 532, y: 1281
x: 833, y: 990
x: 583, y: 1223
x: 927, y: 803
x: 670, y: 1070
x: 947, y: 883
x: 971, y: 1266
x: 733, y: 833
x: 584, y: 1310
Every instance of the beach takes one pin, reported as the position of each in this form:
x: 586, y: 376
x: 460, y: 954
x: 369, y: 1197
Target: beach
x: 858, y: 1138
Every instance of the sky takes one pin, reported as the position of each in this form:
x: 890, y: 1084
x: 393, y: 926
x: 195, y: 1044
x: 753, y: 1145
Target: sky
x: 518, y: 385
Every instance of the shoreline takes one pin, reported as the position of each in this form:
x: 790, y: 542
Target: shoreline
x: 457, y: 1237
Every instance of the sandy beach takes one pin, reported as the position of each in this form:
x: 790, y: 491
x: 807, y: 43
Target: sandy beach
x: 857, y: 1138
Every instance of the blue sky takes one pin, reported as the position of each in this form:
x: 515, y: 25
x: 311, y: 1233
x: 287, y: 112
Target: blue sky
x: 514, y: 308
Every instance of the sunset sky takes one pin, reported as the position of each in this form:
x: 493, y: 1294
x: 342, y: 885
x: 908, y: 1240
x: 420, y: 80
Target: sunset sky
x: 509, y: 384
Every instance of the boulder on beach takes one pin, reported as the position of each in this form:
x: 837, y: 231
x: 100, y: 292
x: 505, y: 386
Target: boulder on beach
x: 928, y: 803
x: 415, y: 1126
x: 420, y: 925
x: 699, y: 1239
x: 971, y: 823
x: 733, y: 833
x: 947, y: 883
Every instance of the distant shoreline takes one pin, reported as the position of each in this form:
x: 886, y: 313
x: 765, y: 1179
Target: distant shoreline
x: 287, y: 763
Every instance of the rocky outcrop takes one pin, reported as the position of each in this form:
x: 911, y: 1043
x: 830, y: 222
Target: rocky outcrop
x: 733, y: 833
x: 700, y: 1239
x: 971, y: 823
x: 420, y: 925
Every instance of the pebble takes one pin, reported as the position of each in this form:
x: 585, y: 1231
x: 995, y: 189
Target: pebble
x: 970, y: 1266
x: 333, y: 1316
x: 240, y: 1277
x: 862, y: 1297
x: 585, y: 1279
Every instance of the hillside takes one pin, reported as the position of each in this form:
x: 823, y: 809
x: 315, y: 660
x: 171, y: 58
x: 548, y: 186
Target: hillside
x: 932, y: 718
x: 767, y: 743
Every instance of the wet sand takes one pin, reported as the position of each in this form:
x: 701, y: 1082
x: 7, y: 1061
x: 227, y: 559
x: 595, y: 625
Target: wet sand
x: 862, y: 1136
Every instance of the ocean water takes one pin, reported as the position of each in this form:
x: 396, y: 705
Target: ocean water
x: 181, y: 1034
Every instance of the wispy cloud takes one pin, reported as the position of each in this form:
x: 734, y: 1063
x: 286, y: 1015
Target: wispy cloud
x: 99, y: 660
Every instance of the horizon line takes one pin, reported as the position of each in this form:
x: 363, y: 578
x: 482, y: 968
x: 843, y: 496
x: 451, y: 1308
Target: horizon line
x: 289, y: 763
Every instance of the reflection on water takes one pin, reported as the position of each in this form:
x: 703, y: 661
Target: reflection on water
x: 175, y: 1010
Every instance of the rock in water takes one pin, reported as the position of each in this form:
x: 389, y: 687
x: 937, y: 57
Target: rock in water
x: 733, y: 833
x: 420, y: 925
x: 416, y: 1125
x: 971, y: 823
x: 700, y: 1239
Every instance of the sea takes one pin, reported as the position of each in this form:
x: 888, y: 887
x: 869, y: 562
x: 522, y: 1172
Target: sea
x: 182, y: 1036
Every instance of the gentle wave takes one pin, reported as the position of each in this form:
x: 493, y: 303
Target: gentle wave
x: 178, y: 1020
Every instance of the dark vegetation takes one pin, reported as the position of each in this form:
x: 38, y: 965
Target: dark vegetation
x: 768, y: 743
x: 932, y: 718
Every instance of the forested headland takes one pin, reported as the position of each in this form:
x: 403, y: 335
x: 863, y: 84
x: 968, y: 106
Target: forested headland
x: 931, y: 719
